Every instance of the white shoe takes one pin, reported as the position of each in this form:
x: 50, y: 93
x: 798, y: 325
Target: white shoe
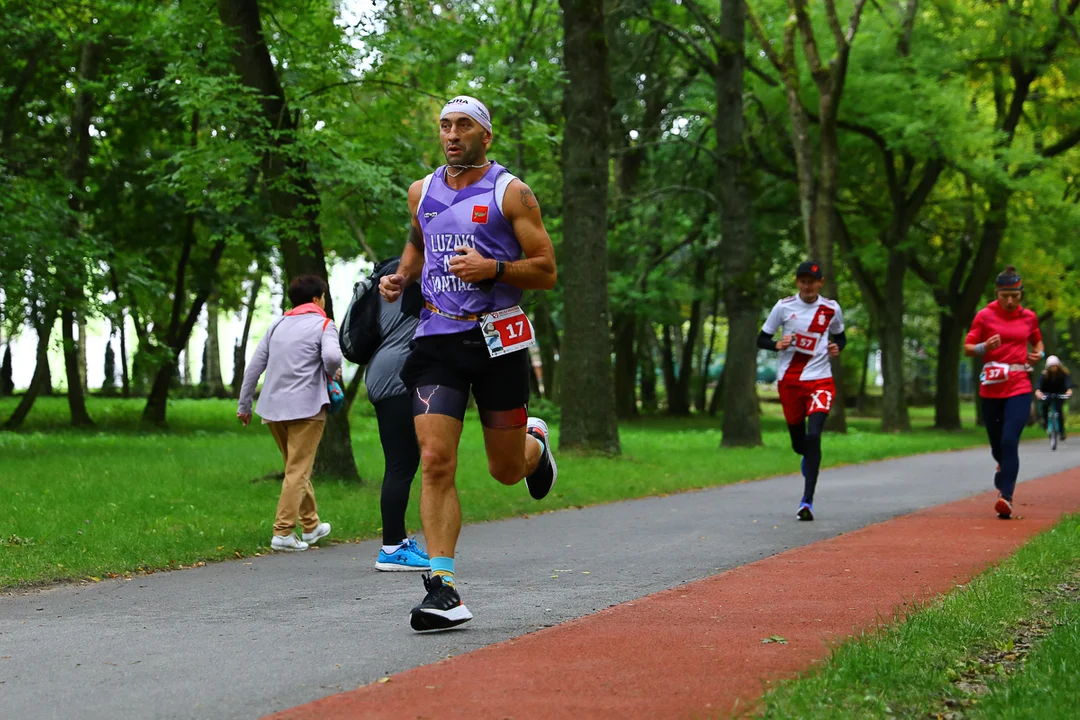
x: 321, y: 531
x: 287, y: 543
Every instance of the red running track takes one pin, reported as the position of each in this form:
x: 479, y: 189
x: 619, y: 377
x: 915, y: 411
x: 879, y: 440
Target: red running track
x: 696, y: 650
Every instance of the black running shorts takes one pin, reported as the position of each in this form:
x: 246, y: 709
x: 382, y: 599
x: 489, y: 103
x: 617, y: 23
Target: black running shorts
x: 461, y: 361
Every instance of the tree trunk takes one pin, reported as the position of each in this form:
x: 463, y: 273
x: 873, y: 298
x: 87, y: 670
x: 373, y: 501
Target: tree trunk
x: 647, y: 361
x: 78, y: 162
x: 125, y: 378
x: 185, y: 370
x: 677, y: 406
x: 947, y: 390
x: 894, y: 411
x: 587, y: 383
x: 76, y: 396
x: 80, y: 323
x: 240, y: 351
x: 547, y: 340
x: 742, y: 423
x: 179, y: 333
x: 294, y: 197
x: 215, y: 385
x: 47, y: 384
x: 861, y: 403
x: 706, y: 362
x: 715, y: 402
x: 7, y: 385
x: 626, y: 365
x: 41, y: 378
x: 690, y: 346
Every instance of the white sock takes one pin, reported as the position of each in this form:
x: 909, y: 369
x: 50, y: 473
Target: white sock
x: 390, y: 549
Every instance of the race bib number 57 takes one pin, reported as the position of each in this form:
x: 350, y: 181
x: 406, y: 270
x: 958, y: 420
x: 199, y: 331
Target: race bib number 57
x: 507, y: 331
x: 806, y: 344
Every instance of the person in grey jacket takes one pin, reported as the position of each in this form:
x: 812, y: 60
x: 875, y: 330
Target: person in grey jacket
x: 299, y: 352
x: 393, y: 409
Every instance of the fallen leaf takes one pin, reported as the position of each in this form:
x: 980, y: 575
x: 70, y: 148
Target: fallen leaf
x: 778, y: 639
x: 384, y: 680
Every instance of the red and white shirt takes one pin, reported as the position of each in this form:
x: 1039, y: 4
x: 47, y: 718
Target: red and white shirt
x: 807, y: 358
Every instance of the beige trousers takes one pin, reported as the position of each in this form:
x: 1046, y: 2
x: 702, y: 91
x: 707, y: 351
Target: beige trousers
x: 298, y: 441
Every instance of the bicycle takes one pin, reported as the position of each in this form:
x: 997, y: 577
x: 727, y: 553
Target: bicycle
x: 1053, y: 417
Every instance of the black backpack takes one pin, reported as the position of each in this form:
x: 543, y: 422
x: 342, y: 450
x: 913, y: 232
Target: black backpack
x: 359, y: 334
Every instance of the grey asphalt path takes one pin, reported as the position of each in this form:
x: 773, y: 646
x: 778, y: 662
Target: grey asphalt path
x: 246, y: 638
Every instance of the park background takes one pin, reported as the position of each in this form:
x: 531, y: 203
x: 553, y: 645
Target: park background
x: 166, y: 167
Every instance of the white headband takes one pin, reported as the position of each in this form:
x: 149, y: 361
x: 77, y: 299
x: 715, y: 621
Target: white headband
x: 471, y: 107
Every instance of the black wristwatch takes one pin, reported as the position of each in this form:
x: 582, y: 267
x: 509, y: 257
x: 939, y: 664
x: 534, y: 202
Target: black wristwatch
x: 500, y: 268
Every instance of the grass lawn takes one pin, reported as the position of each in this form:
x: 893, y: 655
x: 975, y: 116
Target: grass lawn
x: 87, y: 504
x: 1005, y: 646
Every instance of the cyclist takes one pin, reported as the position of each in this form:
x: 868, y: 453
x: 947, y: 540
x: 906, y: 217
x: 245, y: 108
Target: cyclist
x: 1055, y: 380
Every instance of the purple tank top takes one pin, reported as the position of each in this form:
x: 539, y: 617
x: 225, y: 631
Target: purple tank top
x: 472, y: 217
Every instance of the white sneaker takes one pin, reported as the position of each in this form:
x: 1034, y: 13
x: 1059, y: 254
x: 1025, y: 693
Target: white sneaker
x: 317, y: 534
x: 288, y: 543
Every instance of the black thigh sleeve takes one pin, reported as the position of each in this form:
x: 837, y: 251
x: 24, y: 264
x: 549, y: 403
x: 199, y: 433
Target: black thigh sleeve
x: 439, y: 400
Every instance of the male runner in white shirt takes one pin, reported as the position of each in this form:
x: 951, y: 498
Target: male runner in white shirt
x: 812, y: 331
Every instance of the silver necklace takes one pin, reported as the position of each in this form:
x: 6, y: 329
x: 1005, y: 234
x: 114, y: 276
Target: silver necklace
x: 464, y: 168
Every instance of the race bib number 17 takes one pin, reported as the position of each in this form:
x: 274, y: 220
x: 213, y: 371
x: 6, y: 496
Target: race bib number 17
x: 507, y: 331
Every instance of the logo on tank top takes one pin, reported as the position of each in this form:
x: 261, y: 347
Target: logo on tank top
x: 480, y: 214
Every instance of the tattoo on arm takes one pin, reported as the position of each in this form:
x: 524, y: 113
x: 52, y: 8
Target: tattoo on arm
x: 416, y: 238
x: 528, y: 199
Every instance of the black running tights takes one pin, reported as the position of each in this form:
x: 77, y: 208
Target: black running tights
x: 806, y: 441
x: 398, y: 436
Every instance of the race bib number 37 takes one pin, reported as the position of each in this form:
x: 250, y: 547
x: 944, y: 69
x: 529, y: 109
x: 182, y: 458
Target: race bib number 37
x: 994, y: 373
x: 507, y: 331
x: 806, y: 344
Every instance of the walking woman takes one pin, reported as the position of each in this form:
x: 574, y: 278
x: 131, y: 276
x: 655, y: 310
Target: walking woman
x: 299, y: 352
x: 393, y: 409
x: 1006, y: 335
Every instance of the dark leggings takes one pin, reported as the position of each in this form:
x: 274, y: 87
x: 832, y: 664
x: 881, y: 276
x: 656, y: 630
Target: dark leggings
x: 1005, y: 420
x: 806, y: 441
x: 398, y: 436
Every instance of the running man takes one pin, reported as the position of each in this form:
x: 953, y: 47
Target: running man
x: 471, y: 223
x: 812, y: 331
x: 1001, y: 334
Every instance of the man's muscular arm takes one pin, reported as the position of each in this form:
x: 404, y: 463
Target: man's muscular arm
x: 537, y: 270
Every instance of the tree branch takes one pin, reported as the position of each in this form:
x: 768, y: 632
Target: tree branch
x: 806, y: 29
x: 834, y: 23
x: 763, y: 40
x: 1063, y: 145
x: 678, y: 189
x: 706, y: 23
x: 688, y: 46
x: 853, y: 22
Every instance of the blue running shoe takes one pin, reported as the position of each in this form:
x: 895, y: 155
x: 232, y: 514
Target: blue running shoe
x: 806, y: 511
x: 408, y: 557
x: 415, y: 547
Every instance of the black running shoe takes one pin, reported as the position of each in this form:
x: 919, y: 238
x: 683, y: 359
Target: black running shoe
x: 442, y: 607
x: 543, y: 478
